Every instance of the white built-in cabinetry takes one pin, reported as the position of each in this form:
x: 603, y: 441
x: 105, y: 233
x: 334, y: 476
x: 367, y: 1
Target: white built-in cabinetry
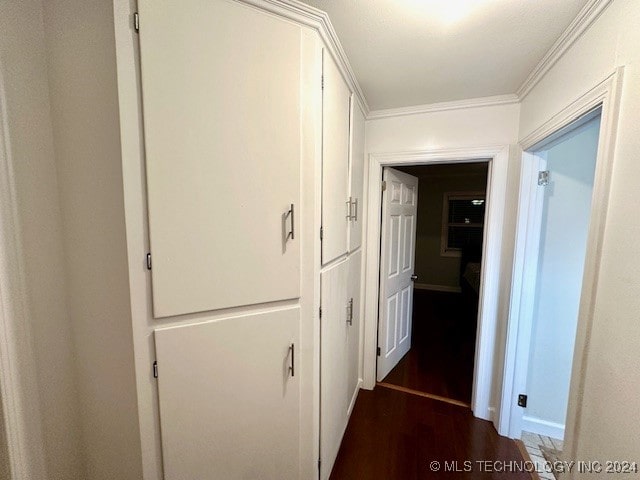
x: 251, y: 191
x: 342, y: 185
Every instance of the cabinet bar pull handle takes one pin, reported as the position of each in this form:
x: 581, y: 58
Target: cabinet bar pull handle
x: 355, y: 204
x: 348, y: 202
x: 350, y: 312
x: 292, y: 234
x: 292, y: 366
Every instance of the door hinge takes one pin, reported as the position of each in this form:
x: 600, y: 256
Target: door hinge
x: 148, y: 261
x: 136, y: 22
x: 155, y: 369
x: 378, y: 351
x: 543, y: 178
x: 522, y: 400
x: 384, y: 185
x: 321, y: 233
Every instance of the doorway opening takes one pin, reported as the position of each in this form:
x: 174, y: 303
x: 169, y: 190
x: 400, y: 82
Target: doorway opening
x: 432, y: 232
x: 491, y: 284
x: 560, y: 211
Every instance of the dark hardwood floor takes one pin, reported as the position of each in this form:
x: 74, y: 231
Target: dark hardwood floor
x: 396, y: 436
x: 443, y: 339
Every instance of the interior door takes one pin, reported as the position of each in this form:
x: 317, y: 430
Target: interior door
x: 229, y: 400
x: 336, y: 113
x: 399, y: 211
x: 334, y: 389
x: 221, y: 92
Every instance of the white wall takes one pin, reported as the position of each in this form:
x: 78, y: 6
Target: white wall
x: 606, y: 423
x: 470, y: 127
x: 571, y: 162
x: 84, y: 103
x: 496, y: 125
x: 24, y: 68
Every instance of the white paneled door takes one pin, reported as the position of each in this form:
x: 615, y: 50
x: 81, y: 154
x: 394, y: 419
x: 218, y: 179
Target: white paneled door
x: 334, y: 367
x: 399, y: 214
x: 356, y: 178
x: 336, y: 114
x: 229, y: 394
x: 221, y: 92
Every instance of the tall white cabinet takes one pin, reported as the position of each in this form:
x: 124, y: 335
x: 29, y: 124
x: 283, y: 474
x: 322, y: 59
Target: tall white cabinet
x: 340, y: 292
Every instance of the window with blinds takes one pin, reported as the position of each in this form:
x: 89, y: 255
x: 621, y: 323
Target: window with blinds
x: 462, y: 222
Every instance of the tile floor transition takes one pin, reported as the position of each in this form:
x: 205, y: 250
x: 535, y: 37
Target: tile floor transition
x: 542, y: 450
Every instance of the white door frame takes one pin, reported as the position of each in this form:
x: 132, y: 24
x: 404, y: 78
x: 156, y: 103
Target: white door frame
x: 18, y: 381
x: 604, y: 95
x: 498, y: 158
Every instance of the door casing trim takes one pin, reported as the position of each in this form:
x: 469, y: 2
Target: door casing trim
x: 606, y: 95
x: 498, y: 158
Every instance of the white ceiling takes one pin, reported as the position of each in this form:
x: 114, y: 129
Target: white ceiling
x: 415, y: 52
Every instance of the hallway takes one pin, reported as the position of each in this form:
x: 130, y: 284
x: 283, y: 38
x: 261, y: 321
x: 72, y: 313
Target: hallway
x: 394, y: 435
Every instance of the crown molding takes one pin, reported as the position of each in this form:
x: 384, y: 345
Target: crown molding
x: 585, y: 18
x: 318, y: 20
x: 444, y: 106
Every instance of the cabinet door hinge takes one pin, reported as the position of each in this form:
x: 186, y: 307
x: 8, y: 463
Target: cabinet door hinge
x: 136, y: 22
x: 148, y: 261
x: 155, y: 369
x: 378, y: 351
x: 322, y: 82
x: 321, y: 233
x: 319, y: 464
x: 320, y: 312
x: 384, y: 185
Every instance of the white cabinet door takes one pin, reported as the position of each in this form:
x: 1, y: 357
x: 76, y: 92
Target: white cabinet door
x: 353, y: 332
x: 356, y: 178
x: 399, y: 211
x: 229, y: 404
x: 221, y: 92
x: 333, y: 363
x: 336, y: 105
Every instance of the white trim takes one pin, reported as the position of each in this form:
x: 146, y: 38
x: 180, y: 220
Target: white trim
x: 543, y: 427
x: 437, y: 288
x: 18, y: 379
x: 318, y: 20
x: 585, y: 18
x: 508, y: 99
x: 354, y: 397
x: 498, y: 156
x: 606, y: 94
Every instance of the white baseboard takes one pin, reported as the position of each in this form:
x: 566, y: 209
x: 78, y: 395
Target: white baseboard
x: 354, y: 397
x: 437, y: 288
x: 543, y: 427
